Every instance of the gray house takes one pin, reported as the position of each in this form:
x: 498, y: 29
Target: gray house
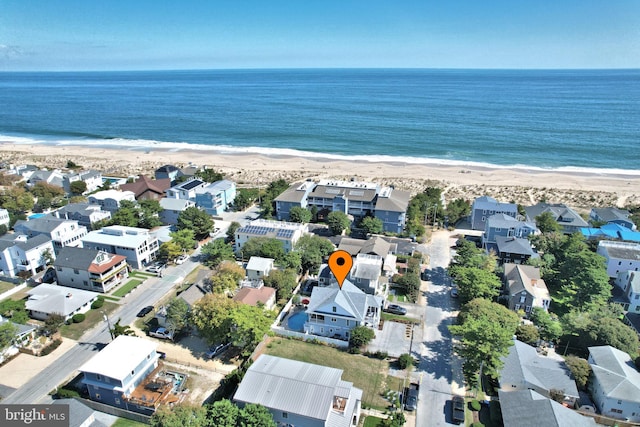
x: 570, y: 221
x: 365, y: 273
x: 300, y: 394
x: 62, y: 232
x: 513, y: 249
x: 525, y: 369
x: 506, y: 226
x: 527, y: 408
x: 333, y: 312
x: 85, y: 213
x: 90, y: 269
x: 525, y: 287
x: 612, y: 215
x: 172, y: 208
x: 485, y: 207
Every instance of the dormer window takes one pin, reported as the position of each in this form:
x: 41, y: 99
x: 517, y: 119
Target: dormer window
x: 334, y: 309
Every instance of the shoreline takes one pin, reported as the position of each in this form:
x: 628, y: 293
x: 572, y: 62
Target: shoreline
x: 527, y: 186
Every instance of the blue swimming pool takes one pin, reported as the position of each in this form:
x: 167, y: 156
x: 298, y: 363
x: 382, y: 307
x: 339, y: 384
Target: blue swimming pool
x: 36, y: 215
x: 296, y: 321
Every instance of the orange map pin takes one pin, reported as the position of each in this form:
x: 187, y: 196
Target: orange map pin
x: 340, y: 264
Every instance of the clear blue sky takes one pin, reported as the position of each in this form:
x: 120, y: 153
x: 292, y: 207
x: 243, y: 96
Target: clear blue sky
x: 160, y: 34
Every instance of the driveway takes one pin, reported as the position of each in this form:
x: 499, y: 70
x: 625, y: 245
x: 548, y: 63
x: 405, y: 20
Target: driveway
x: 394, y: 338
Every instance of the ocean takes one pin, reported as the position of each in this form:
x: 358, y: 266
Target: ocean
x: 582, y: 120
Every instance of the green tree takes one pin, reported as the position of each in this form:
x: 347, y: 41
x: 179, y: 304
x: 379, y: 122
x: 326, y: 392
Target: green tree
x: 14, y: 310
x: 292, y: 260
x: 253, y: 415
x: 580, y: 369
x: 179, y: 416
x: 313, y: 249
x: 16, y: 200
x: 127, y: 215
x: 209, y: 175
x: 119, y: 329
x: 216, y: 251
x: 47, y: 257
x: 546, y: 223
x: 457, y: 209
x: 469, y: 255
x: 197, y: 220
x: 249, y: 325
x: 245, y: 197
x: 177, y: 314
x: 185, y: 239
x: 266, y: 247
x: 283, y: 281
x: 299, y: 214
x: 169, y: 250
x: 549, y: 327
x: 46, y: 190
x: 3, y: 229
x: 338, y: 222
x: 405, y: 360
x: 584, y: 282
x: 227, y: 277
x: 223, y: 413
x: 371, y: 225
x: 486, y: 332
x: 360, y: 336
x: 52, y: 324
x: 149, y: 210
x: 274, y: 189
x: 78, y: 187
x: 212, y: 316
x: 72, y: 165
x: 8, y: 333
x: 396, y: 419
x: 231, y: 231
x: 476, y: 283
x: 528, y: 334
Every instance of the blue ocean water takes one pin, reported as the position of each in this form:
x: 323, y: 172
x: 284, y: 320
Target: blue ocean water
x: 557, y: 119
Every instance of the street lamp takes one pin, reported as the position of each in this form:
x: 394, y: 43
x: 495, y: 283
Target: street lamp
x: 106, y: 319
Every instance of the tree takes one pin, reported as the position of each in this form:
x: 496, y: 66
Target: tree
x: 169, y: 250
x: 223, y: 413
x: 14, y: 310
x: 476, y: 283
x: 274, y: 189
x: 72, y: 165
x: 184, y: 238
x: 253, y: 415
x: 177, y: 314
x: 197, y: 220
x: 584, y: 282
x: 405, y: 360
x: 209, y: 175
x: 8, y: 333
x: 249, y: 325
x: 546, y: 223
x: 528, y: 334
x: 245, y: 197
x: 549, y: 327
x: 226, y: 277
x: 46, y: 190
x: 3, y: 229
x: 338, y: 222
x: 312, y: 249
x: 47, y: 257
x: 216, y: 251
x: 180, y: 416
x: 127, y: 215
x: 469, y: 255
x: 360, y: 336
x: 396, y: 419
x: 283, y: 281
x: 299, y: 214
x: 266, y: 247
x: 231, y: 231
x: 486, y: 332
x: 16, y: 200
x: 149, y: 213
x: 119, y: 329
x: 212, y: 316
x: 371, y: 225
x: 78, y: 187
x: 457, y: 209
x: 580, y: 369
x: 52, y: 324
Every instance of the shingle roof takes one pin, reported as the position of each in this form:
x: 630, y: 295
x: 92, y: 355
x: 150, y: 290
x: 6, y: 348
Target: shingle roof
x: 171, y: 204
x: 350, y: 298
x: 83, y: 259
x: 33, y: 242
x: 611, y: 214
x: 47, y: 298
x: 561, y: 213
x: 192, y: 294
x: 514, y: 245
x: 144, y: 184
x: 527, y: 408
x: 295, y: 193
x: 290, y: 386
x: 253, y: 296
x: 614, y: 370
x: 120, y: 357
x: 45, y: 224
x: 397, y: 201
x: 521, y: 277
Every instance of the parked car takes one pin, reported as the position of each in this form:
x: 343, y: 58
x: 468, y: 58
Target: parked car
x: 454, y: 292
x: 161, y: 354
x: 156, y: 267
x: 162, y: 333
x: 144, y: 311
x: 412, y: 397
x: 457, y: 406
x: 216, y: 350
x: 181, y: 259
x: 395, y: 309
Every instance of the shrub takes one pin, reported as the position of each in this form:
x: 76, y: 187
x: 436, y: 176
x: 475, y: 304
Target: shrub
x: 405, y: 360
x: 360, y: 336
x: 97, y: 303
x: 48, y: 349
x: 78, y: 318
x: 66, y: 393
x: 475, y: 405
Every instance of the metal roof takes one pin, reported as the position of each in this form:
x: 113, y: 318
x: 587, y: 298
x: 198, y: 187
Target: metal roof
x: 47, y: 298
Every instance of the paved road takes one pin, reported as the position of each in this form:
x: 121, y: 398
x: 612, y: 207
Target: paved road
x: 438, y: 368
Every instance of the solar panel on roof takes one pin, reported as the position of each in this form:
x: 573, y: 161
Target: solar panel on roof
x: 285, y: 233
x: 191, y: 184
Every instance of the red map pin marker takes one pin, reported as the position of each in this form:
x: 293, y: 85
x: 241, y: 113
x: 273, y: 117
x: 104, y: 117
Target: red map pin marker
x: 340, y: 264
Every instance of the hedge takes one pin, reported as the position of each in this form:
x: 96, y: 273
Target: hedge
x: 78, y: 318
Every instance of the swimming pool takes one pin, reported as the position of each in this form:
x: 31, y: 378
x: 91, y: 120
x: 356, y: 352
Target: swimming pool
x: 296, y: 321
x: 36, y: 215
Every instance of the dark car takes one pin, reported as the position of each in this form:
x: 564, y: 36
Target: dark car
x: 161, y: 354
x: 395, y: 309
x: 458, y: 409
x: 411, y: 404
x: 454, y: 293
x: 145, y: 310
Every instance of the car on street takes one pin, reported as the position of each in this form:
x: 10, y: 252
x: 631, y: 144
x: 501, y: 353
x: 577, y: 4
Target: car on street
x: 181, y: 259
x: 395, y: 309
x: 144, y: 311
x: 216, y: 350
x: 454, y: 293
x: 156, y: 267
x: 457, y: 406
x: 412, y: 397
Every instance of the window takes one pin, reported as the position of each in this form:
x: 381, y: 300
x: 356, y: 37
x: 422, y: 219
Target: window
x: 117, y: 401
x: 285, y: 415
x: 75, y: 271
x: 334, y: 309
x: 517, y: 307
x: 133, y: 372
x: 333, y: 319
x: 99, y: 377
x: 98, y: 397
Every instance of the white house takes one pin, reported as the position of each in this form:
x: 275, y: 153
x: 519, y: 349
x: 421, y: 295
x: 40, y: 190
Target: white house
x: 4, y: 218
x: 63, y: 232
x: 92, y: 179
x: 620, y: 256
x: 186, y: 190
x: 365, y: 273
x: 215, y: 198
x: 286, y: 232
x: 137, y: 244
x: 300, y: 394
x: 615, y: 385
x: 629, y: 283
x: 22, y: 253
x: 110, y: 200
x: 47, y: 299
x: 86, y: 214
x: 258, y: 267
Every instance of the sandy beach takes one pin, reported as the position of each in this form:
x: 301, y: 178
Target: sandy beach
x: 578, y: 189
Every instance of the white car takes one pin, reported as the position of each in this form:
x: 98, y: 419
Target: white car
x: 181, y: 259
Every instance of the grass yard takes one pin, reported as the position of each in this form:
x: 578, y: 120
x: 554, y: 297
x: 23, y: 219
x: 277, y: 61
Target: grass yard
x: 371, y: 421
x: 368, y: 374
x: 397, y: 318
x: 124, y: 422
x: 6, y: 286
x: 127, y: 287
x: 93, y: 317
x: 142, y: 274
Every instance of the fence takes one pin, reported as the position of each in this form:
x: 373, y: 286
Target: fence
x: 307, y: 337
x: 606, y: 421
x: 12, y: 291
x: 112, y: 410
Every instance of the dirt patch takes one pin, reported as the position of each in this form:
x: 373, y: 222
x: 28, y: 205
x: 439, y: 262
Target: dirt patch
x: 200, y: 383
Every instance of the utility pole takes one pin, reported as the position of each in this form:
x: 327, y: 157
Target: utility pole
x: 106, y: 318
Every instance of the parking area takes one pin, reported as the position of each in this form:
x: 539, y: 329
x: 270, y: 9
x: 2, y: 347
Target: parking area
x: 394, y: 338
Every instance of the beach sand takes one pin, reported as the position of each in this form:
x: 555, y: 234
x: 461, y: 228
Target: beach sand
x: 580, y: 190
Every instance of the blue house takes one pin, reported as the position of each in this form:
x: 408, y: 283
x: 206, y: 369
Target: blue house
x: 612, y: 216
x: 215, y: 198
x: 112, y: 375
x: 611, y: 231
x: 484, y: 207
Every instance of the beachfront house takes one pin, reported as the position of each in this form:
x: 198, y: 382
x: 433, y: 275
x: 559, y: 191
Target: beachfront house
x: 333, y: 311
x: 485, y: 207
x: 145, y: 188
x: 138, y: 245
x: 611, y: 231
x: 299, y: 393
x: 47, y: 299
x: 287, y: 233
x: 619, y: 256
x: 358, y: 199
x: 170, y: 172
x: 85, y: 213
x: 110, y: 200
x: 612, y: 215
x: 216, y: 198
x: 90, y: 269
x: 524, y: 288
x: 53, y: 177
x: 62, y: 232
x: 21, y: 253
x: 569, y: 220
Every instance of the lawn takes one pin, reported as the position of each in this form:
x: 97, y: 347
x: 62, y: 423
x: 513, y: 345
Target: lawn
x: 368, y: 374
x: 127, y: 287
x: 124, y: 422
x: 398, y: 318
x: 6, y: 286
x: 371, y: 421
x: 93, y: 317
